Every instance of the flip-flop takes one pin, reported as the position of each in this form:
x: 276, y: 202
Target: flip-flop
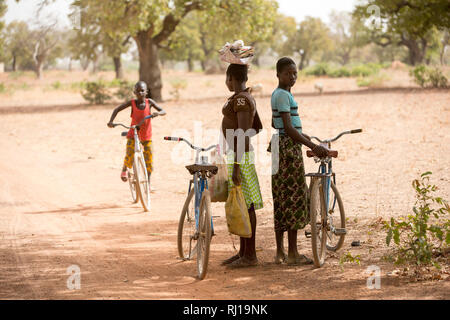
x: 230, y: 260
x: 242, y: 263
x: 124, y: 176
x: 300, y: 261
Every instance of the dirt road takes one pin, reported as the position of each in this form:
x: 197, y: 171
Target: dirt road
x: 62, y: 202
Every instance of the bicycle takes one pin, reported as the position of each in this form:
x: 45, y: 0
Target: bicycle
x: 327, y: 226
x: 138, y: 176
x: 197, y: 208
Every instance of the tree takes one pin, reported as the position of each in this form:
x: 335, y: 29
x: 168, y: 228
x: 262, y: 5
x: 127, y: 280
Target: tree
x: 2, y: 26
x: 46, y: 45
x: 346, y: 35
x: 151, y: 23
x: 408, y: 23
x: 17, y: 45
x: 312, y: 37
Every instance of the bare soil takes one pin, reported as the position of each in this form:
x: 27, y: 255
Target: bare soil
x: 62, y: 202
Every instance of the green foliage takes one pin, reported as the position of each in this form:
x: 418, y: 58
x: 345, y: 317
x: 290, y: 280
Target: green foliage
x: 365, y: 70
x: 341, y: 72
x: 2, y: 88
x: 125, y: 91
x: 429, y: 77
x: 373, y: 81
x: 96, y: 92
x: 417, y: 237
x: 57, y: 85
x: 349, y: 258
x: 320, y: 69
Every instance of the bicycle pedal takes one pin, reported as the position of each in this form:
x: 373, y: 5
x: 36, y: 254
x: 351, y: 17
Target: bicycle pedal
x: 308, y: 235
x: 340, y: 232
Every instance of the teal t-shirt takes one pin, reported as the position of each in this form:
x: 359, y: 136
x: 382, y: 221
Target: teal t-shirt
x: 283, y: 101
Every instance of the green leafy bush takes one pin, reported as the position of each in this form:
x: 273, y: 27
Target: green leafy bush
x: 320, y: 69
x: 419, y: 237
x: 365, y: 70
x: 429, y: 77
x: 125, y: 91
x: 340, y: 73
x: 96, y: 92
x: 2, y: 88
x: 56, y: 85
x: 373, y: 81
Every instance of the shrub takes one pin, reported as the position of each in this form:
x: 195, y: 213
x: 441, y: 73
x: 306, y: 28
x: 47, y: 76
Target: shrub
x: 2, y: 88
x: 420, y: 75
x: 416, y: 238
x: 374, y: 81
x: 364, y: 70
x: 96, y: 92
x: 437, y: 78
x: 340, y: 73
x: 429, y: 77
x: 320, y: 69
x: 125, y: 91
x: 56, y: 85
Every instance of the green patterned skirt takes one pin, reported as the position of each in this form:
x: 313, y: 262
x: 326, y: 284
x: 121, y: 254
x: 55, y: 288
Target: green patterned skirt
x: 289, y: 188
x: 249, y: 179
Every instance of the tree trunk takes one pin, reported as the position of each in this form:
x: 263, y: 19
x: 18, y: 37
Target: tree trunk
x: 149, y: 69
x: 416, y: 53
x: 118, y: 67
x: 70, y: 64
x: 302, y: 62
x: 38, y: 68
x: 190, y: 64
x: 14, y: 63
x: 84, y: 64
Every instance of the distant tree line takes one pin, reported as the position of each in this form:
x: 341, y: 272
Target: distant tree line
x: 414, y: 31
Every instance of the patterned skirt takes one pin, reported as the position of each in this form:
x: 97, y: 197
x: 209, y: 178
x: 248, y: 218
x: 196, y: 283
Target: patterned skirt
x: 249, y: 179
x: 289, y: 188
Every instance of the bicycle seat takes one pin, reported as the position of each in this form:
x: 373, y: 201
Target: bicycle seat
x: 202, y: 168
x: 332, y: 153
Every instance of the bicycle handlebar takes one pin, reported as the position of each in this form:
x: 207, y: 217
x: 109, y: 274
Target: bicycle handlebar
x: 190, y: 144
x: 135, y: 126
x: 338, y: 136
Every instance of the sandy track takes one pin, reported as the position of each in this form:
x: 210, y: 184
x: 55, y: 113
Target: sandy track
x: 62, y: 203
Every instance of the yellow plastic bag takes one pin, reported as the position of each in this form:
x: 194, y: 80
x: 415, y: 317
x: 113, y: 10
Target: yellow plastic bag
x: 218, y: 184
x: 238, y: 220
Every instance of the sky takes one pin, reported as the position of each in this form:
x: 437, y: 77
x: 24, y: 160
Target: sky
x: 25, y: 9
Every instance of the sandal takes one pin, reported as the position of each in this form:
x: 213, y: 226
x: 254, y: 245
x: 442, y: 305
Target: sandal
x: 300, y: 261
x: 230, y: 260
x: 243, y: 263
x: 124, y: 176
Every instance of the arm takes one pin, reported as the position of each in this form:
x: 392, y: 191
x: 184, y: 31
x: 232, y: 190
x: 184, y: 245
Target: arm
x: 244, y: 123
x: 161, y: 111
x: 300, y: 138
x: 117, y: 110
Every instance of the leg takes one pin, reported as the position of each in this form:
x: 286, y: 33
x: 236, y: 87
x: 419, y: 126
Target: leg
x: 238, y: 255
x: 148, y: 156
x: 281, y: 254
x: 248, y: 246
x: 128, y: 161
x: 294, y: 258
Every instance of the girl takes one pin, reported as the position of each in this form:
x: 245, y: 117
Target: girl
x: 140, y: 108
x: 239, y: 115
x: 289, y: 189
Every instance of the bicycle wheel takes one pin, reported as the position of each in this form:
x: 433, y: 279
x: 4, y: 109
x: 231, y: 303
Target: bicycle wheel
x: 336, y: 219
x: 318, y: 222
x: 133, y: 185
x: 186, y: 229
x: 204, y: 235
x: 142, y: 181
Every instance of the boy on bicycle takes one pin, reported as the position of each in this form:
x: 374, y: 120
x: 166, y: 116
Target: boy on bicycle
x: 140, y: 108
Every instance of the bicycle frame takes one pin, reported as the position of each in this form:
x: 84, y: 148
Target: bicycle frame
x: 200, y: 182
